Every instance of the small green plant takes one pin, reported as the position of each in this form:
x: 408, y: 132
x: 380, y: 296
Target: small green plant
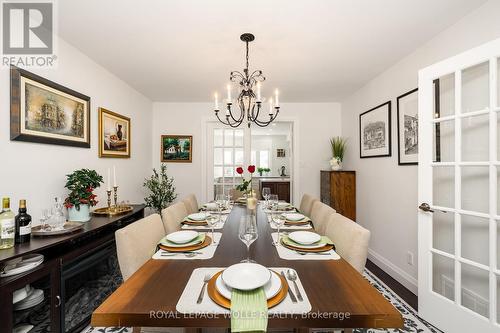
x: 262, y: 170
x: 339, y: 146
x: 81, y: 184
x: 161, y: 190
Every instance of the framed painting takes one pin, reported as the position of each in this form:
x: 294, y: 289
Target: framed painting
x: 407, y: 105
x: 375, y: 132
x: 177, y: 148
x: 114, y: 134
x: 43, y: 111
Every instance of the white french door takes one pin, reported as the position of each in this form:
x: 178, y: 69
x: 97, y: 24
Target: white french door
x: 459, y: 191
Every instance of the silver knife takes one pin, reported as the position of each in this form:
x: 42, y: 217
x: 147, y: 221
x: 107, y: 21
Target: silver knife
x: 290, y: 292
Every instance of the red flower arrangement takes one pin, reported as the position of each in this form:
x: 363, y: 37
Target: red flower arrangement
x: 246, y: 185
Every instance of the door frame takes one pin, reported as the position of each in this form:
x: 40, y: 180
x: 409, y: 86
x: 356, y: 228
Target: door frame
x: 434, y: 307
x: 294, y: 174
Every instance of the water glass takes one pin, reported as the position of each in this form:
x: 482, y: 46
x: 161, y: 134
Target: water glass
x: 248, y: 233
x: 266, y: 192
x: 212, y: 221
x: 279, y: 220
x: 273, y: 201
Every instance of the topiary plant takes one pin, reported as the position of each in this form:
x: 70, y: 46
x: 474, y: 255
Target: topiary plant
x: 161, y: 189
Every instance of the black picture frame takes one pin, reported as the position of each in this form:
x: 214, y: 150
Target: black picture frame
x: 399, y: 128
x: 16, y: 133
x: 389, y: 131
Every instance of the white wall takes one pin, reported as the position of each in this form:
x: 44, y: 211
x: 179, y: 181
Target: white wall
x: 36, y: 172
x: 317, y: 122
x: 387, y: 193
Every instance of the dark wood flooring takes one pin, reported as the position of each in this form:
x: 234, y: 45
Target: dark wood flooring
x: 397, y: 287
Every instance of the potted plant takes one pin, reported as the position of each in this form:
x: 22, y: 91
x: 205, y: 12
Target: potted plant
x: 246, y: 186
x: 339, y: 146
x: 161, y: 190
x: 81, y: 184
x: 261, y: 170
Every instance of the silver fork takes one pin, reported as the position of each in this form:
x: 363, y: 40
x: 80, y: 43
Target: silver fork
x: 314, y: 253
x: 202, y: 291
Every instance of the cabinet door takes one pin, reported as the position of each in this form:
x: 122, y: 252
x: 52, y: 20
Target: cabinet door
x: 283, y: 191
x: 343, y: 188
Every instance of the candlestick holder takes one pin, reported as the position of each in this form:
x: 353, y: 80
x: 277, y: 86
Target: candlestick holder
x: 109, y: 199
x: 115, y: 190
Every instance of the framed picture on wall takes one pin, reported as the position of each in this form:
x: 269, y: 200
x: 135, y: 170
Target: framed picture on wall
x: 114, y: 134
x: 177, y: 148
x: 407, y: 105
x: 375, y: 132
x: 43, y: 111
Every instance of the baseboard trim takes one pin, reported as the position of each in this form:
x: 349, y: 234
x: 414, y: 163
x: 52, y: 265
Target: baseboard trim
x: 397, y: 273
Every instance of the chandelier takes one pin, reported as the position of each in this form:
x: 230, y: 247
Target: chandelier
x: 248, y: 102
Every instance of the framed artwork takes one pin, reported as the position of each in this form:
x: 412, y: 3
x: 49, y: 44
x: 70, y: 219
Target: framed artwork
x: 114, y: 134
x: 375, y: 132
x: 407, y: 105
x: 280, y: 152
x: 43, y: 111
x: 177, y: 148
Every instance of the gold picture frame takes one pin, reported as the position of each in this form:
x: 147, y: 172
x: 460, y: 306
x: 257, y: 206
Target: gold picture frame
x: 114, y: 134
x: 176, y: 148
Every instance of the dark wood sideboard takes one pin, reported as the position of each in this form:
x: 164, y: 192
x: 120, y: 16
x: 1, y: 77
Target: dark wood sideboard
x: 279, y: 187
x: 338, y: 190
x: 73, y: 267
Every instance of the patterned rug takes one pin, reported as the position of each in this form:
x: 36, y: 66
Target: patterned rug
x: 412, y: 322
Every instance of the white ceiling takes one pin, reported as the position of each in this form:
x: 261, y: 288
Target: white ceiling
x: 312, y: 50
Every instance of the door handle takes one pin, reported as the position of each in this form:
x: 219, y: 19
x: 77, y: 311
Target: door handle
x: 425, y: 207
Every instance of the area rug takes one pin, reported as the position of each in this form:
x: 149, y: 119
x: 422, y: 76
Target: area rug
x: 412, y: 322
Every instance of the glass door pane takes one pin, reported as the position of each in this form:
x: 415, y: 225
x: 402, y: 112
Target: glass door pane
x: 475, y: 88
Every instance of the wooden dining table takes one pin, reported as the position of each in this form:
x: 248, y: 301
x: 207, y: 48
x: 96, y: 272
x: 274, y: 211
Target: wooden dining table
x: 339, y: 295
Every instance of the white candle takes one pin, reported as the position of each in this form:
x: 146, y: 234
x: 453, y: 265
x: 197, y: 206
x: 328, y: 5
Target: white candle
x: 270, y: 106
x: 258, y: 92
x: 229, y: 93
x: 114, y: 175
x: 109, y: 180
x: 276, y: 100
x: 216, y: 102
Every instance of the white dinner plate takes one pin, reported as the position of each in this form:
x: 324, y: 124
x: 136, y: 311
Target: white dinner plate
x: 23, y: 328
x: 198, y: 216
x: 182, y: 237
x: 283, y: 205
x: 170, y: 244
x: 304, y: 237
x: 20, y: 294
x: 271, y: 288
x: 311, y: 246
x: 34, y: 298
x: 17, y: 266
x: 294, y: 216
x: 246, y: 276
x: 211, y: 206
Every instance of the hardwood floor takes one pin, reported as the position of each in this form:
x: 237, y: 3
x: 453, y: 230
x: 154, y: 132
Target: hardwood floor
x: 398, y: 288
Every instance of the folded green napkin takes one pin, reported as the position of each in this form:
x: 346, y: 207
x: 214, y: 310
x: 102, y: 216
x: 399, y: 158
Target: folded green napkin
x: 248, y: 310
x: 200, y: 239
x: 287, y: 241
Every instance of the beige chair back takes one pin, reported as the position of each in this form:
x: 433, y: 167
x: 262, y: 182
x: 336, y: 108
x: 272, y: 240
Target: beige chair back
x: 172, y: 216
x: 320, y: 215
x: 136, y: 243
x: 191, y: 204
x: 351, y: 240
x: 306, y: 204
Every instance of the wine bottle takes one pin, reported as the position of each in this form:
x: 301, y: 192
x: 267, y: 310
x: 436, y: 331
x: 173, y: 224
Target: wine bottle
x: 23, y: 224
x: 7, y: 225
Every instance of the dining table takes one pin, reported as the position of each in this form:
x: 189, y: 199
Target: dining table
x: 340, y: 296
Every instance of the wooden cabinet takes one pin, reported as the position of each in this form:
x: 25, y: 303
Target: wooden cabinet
x: 338, y: 190
x: 281, y: 188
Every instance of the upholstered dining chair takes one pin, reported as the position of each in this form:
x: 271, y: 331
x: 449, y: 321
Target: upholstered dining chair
x: 173, y: 215
x: 320, y: 215
x: 351, y: 240
x: 306, y: 204
x: 136, y: 243
x: 191, y: 204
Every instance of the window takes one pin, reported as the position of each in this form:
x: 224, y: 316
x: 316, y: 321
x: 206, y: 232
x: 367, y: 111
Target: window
x: 228, y: 153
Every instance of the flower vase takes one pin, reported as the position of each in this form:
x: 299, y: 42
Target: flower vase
x: 81, y: 215
x: 336, y: 164
x: 251, y: 201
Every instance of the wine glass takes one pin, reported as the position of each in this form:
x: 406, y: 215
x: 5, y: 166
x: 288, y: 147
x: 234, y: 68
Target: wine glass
x: 220, y: 200
x: 279, y: 220
x: 273, y: 201
x: 266, y: 192
x: 248, y: 233
x: 212, y: 221
x: 44, y: 219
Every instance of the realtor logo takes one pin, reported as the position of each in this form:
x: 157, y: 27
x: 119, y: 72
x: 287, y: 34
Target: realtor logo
x: 28, y: 33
